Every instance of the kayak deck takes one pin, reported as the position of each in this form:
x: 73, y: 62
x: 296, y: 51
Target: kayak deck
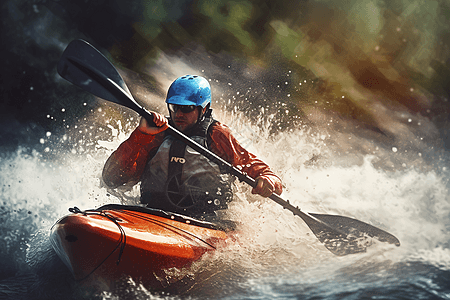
x: 114, y: 241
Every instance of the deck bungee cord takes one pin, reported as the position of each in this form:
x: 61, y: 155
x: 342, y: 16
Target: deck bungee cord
x: 122, y: 240
x: 162, y: 224
x: 123, y: 237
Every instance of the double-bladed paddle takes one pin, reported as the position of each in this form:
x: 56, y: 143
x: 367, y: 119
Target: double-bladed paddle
x: 85, y: 67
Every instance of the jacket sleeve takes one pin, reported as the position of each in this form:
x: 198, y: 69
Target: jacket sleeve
x: 127, y: 163
x: 225, y: 145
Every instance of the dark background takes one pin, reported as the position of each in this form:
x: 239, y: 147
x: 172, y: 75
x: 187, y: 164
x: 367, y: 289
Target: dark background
x: 366, y: 60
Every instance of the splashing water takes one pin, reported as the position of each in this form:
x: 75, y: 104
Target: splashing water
x: 275, y: 254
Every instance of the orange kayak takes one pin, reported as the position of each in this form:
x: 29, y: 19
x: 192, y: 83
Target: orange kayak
x: 117, y: 241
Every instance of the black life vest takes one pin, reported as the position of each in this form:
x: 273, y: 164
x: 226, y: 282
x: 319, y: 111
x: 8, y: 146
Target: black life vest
x: 181, y: 180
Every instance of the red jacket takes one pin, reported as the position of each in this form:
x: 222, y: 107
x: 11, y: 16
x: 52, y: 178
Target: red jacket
x: 126, y: 165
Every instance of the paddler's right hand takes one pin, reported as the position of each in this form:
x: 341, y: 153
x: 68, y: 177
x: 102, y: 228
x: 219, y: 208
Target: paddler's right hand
x: 160, y: 121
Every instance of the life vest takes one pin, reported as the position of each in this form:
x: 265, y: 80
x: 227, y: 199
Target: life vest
x: 179, y: 179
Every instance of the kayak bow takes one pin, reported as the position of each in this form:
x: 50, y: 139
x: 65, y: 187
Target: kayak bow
x: 117, y: 241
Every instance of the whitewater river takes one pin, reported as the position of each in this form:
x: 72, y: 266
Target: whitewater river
x: 276, y: 256
x: 347, y: 101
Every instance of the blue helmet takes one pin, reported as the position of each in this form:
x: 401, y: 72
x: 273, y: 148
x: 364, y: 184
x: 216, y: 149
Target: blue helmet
x: 189, y: 90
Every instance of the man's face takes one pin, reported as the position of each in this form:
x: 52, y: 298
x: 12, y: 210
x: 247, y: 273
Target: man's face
x: 184, y: 120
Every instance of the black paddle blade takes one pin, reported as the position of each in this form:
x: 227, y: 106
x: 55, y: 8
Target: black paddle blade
x: 341, y: 235
x: 338, y: 242
x: 335, y: 240
x: 84, y: 66
x: 344, y: 235
x: 357, y: 228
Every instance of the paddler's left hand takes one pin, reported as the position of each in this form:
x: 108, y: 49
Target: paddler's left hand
x: 265, y: 187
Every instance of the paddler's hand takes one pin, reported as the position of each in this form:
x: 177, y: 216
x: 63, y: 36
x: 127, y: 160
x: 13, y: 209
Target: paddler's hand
x: 159, y: 120
x: 265, y: 187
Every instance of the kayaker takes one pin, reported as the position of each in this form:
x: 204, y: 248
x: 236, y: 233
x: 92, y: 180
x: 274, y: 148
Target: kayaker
x: 173, y: 176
